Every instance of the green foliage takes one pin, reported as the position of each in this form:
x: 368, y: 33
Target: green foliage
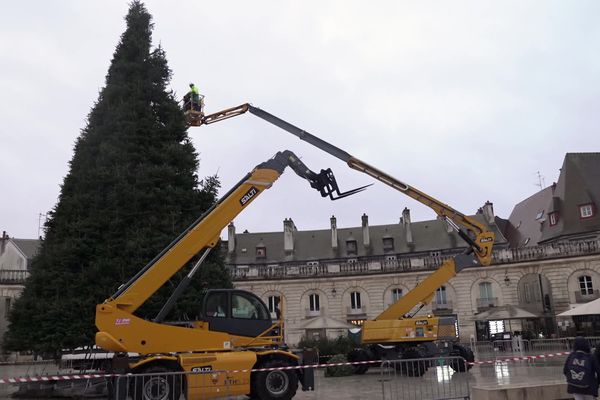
x: 328, y: 347
x: 339, y: 370
x: 131, y: 189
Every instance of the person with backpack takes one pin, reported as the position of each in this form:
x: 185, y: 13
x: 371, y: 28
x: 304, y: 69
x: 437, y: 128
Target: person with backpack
x: 582, y: 371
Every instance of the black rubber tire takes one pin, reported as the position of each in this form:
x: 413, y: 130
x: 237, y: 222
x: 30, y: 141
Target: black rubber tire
x: 358, y: 355
x: 412, y: 368
x: 166, y: 387
x: 274, y: 385
x: 462, y: 365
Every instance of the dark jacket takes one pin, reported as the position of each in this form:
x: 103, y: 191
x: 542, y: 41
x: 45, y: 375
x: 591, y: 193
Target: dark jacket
x: 581, y: 348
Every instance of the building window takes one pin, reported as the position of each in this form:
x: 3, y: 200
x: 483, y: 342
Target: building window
x: 19, y: 263
x: 7, y: 302
x: 585, y: 285
x: 441, y: 296
x: 313, y: 300
x: 261, y: 252
x: 273, y: 303
x: 553, y: 218
x: 527, y: 290
x: 355, y: 303
x: 586, y: 211
x: 388, y: 244
x: 351, y: 247
x: 485, y: 290
x: 396, y: 294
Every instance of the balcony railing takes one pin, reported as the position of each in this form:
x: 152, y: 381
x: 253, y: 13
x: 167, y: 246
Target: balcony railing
x: 445, y: 306
x: 13, y: 276
x: 585, y: 297
x: 414, y: 262
x: 313, y: 313
x: 356, y: 311
x: 487, y: 302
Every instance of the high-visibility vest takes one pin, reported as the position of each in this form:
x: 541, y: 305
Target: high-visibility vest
x: 195, y: 94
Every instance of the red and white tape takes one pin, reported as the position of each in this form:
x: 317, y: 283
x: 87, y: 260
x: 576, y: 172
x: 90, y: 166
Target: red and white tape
x: 304, y: 366
x: 49, y: 378
x: 523, y: 358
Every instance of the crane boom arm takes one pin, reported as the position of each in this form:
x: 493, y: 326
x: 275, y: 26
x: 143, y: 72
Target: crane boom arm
x: 204, y: 232
x: 476, y: 234
x: 425, y: 290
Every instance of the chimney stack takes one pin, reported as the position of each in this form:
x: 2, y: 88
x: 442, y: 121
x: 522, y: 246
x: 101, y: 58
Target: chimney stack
x: 365, y: 230
x: 3, y: 242
x: 334, y: 236
x: 488, y: 212
x: 288, y: 235
x: 231, y: 238
x: 406, y: 222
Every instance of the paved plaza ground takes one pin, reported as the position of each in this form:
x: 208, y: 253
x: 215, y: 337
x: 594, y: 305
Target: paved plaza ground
x: 438, y: 382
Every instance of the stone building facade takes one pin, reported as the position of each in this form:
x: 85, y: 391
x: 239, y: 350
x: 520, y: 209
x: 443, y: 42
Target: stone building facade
x: 327, y: 287
x: 546, y: 260
x: 15, y: 256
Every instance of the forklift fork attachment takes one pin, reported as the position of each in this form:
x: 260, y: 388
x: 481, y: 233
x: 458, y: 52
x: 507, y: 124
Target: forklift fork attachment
x: 326, y: 184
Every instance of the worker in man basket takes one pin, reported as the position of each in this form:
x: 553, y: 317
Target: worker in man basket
x: 193, y: 100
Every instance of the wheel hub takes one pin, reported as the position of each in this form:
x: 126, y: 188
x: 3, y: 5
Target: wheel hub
x: 277, y: 382
x: 156, y: 388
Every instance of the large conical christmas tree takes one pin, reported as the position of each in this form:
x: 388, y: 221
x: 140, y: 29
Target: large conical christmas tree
x: 132, y: 187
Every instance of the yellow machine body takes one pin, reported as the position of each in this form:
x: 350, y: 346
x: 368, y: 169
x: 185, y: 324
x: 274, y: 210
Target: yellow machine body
x: 121, y: 331
x: 413, y: 330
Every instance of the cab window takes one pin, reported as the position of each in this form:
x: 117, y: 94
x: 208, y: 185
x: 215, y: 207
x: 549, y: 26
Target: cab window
x: 247, y: 307
x: 216, y: 305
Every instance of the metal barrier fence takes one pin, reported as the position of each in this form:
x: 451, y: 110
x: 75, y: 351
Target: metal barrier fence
x: 518, y: 347
x: 425, y: 378
x: 158, y: 384
x: 433, y: 378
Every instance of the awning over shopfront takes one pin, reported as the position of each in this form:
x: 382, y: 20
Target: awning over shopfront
x: 505, y: 312
x: 591, y: 308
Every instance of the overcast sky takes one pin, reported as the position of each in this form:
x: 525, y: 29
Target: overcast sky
x: 465, y: 100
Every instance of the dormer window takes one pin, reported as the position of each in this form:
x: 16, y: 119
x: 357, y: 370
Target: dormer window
x: 261, y: 252
x: 351, y: 247
x: 553, y: 217
x: 586, y: 211
x: 388, y: 244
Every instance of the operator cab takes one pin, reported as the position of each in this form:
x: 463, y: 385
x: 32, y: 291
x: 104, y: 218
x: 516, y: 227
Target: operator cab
x: 236, y: 311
